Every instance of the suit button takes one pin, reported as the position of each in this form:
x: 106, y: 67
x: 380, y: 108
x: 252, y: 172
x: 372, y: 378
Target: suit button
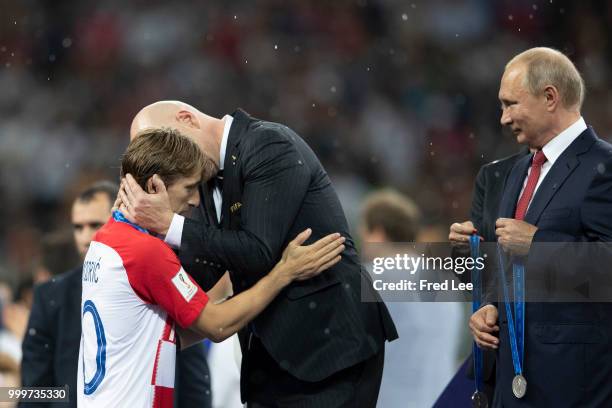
x: 197, y: 260
x: 204, y: 262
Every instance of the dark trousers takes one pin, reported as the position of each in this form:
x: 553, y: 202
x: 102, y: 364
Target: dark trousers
x: 269, y: 386
x: 192, y: 378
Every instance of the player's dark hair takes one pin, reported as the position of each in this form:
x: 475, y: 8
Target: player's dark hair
x: 164, y: 152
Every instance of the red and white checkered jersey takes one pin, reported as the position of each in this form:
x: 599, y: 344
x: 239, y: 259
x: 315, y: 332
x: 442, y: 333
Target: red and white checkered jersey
x: 134, y: 289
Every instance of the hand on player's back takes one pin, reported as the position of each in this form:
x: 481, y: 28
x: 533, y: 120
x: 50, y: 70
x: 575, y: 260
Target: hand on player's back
x: 300, y: 262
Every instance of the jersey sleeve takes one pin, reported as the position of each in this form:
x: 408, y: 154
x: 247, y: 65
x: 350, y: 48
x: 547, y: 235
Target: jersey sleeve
x: 157, y: 276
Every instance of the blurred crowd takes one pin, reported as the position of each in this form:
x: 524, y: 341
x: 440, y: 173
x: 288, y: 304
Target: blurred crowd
x: 387, y: 93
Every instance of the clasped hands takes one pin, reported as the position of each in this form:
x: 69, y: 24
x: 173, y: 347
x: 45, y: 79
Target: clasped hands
x: 513, y: 235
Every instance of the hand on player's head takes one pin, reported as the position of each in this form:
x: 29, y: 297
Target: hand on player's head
x: 151, y: 211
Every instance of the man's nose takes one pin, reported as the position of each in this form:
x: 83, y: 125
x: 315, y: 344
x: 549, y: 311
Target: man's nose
x: 505, y: 119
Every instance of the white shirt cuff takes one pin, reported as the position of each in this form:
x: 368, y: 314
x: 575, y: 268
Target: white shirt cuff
x: 175, y: 232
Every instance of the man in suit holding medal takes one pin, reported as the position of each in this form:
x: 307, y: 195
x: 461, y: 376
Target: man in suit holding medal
x: 560, y: 193
x: 488, y: 189
x: 316, y: 345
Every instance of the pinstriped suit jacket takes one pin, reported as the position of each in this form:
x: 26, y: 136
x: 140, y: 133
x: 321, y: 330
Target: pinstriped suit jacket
x: 274, y: 188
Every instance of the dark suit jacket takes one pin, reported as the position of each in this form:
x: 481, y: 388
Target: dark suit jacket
x: 51, y: 346
x: 568, y: 346
x: 487, y: 195
x: 488, y: 190
x: 274, y: 188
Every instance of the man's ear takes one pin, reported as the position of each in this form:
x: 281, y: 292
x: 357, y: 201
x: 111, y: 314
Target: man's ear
x: 553, y: 98
x: 187, y: 118
x: 149, y: 186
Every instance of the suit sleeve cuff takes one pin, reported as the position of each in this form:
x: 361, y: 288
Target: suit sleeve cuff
x: 175, y: 232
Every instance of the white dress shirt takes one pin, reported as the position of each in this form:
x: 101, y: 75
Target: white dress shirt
x: 553, y: 149
x: 175, y: 231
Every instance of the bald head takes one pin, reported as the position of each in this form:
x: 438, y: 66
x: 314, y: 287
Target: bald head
x: 548, y: 67
x: 159, y: 114
x: 204, y: 130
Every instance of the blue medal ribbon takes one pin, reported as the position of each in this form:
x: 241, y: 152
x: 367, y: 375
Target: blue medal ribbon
x: 517, y: 332
x: 518, y: 273
x: 119, y: 217
x: 476, y: 302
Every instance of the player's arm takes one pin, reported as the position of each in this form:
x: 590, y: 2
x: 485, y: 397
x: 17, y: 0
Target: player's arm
x: 219, y: 293
x: 222, y: 290
x: 219, y: 321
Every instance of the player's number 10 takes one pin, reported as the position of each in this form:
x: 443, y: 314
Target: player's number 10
x: 92, y: 385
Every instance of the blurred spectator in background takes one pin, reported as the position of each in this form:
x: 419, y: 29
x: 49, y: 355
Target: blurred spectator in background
x: 14, y: 312
x: 57, y: 254
x: 10, y: 353
x: 90, y: 212
x: 418, y: 365
x: 389, y: 216
x: 24, y: 293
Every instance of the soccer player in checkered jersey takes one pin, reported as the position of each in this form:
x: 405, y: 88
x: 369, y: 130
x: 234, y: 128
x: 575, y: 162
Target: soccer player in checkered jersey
x: 137, y: 300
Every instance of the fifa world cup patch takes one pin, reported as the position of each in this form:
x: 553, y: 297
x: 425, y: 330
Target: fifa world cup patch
x: 185, y: 286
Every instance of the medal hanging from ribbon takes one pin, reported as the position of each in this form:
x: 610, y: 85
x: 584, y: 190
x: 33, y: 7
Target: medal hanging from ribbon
x: 479, y: 399
x: 516, y: 328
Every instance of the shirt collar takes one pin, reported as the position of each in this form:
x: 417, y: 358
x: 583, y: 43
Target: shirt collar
x: 553, y: 149
x: 226, y: 128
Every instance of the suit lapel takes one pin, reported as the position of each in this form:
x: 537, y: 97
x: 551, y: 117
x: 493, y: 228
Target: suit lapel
x: 558, y: 173
x: 232, y: 156
x: 513, y: 187
x: 229, y: 185
x: 563, y: 167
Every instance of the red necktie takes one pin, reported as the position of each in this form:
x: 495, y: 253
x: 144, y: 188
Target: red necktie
x: 532, y: 181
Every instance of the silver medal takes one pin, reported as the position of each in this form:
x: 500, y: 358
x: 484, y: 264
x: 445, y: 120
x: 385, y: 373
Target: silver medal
x: 479, y: 400
x: 519, y: 386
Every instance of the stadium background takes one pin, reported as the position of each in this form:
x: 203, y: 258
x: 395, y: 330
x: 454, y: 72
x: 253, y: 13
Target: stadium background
x: 387, y: 93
